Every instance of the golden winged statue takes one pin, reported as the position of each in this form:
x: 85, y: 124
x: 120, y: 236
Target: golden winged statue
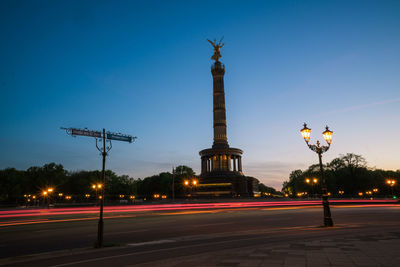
x: 217, y: 48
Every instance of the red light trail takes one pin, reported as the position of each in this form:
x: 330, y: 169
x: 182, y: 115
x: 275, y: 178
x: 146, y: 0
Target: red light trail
x: 15, y: 214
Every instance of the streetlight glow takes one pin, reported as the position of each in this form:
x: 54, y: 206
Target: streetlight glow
x: 306, y: 133
x: 327, y: 135
x: 391, y: 182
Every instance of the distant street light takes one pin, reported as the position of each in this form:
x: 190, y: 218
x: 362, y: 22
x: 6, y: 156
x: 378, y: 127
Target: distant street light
x: 45, y: 195
x: 49, y: 191
x: 96, y: 187
x: 306, y: 133
x: 391, y: 183
x: 313, y: 182
x: 190, y: 184
x: 132, y: 198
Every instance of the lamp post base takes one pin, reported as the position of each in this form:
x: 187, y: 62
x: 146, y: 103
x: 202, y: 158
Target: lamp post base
x: 328, y: 222
x: 99, y: 242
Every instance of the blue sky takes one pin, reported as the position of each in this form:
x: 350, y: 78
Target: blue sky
x: 143, y: 68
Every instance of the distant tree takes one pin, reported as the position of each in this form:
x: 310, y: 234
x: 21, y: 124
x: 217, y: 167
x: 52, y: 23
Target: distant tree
x: 348, y: 173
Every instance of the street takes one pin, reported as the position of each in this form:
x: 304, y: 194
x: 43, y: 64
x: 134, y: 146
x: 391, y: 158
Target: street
x: 133, y: 237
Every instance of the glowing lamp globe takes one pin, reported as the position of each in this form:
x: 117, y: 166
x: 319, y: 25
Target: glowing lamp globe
x: 327, y: 135
x: 306, y: 133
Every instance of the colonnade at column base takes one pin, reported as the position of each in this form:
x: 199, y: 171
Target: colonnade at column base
x: 222, y: 175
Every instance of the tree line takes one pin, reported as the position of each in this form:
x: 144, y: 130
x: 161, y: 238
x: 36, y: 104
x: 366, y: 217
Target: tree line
x: 19, y: 186
x: 346, y: 176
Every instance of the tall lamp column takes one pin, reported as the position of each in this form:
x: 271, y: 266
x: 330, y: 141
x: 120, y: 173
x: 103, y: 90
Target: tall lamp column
x: 306, y: 133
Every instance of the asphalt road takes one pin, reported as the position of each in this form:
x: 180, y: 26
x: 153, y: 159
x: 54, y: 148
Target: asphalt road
x: 145, y: 236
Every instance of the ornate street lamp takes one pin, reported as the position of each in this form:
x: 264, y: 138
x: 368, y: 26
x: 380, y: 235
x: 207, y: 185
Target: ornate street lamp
x: 306, y: 133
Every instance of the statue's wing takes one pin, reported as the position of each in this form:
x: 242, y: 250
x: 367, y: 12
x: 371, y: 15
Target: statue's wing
x: 221, y: 39
x: 211, y: 42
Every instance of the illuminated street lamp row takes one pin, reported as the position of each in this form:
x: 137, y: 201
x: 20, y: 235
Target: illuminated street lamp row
x: 159, y: 196
x: 46, y: 193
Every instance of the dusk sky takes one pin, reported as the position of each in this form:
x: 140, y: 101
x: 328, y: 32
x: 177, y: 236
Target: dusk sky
x: 143, y: 68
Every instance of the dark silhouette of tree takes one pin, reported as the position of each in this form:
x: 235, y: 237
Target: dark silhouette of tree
x: 348, y: 173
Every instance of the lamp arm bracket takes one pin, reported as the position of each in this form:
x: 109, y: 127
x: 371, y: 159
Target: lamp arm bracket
x: 324, y: 148
x: 314, y: 148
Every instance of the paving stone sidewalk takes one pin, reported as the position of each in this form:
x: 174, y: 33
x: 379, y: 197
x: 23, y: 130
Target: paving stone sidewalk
x: 378, y: 249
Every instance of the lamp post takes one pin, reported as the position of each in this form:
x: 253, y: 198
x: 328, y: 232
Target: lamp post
x: 49, y: 191
x: 44, y: 197
x: 173, y: 184
x: 187, y: 185
x: 313, y: 182
x: 190, y: 184
x: 391, y: 183
x: 97, y: 187
x: 306, y: 133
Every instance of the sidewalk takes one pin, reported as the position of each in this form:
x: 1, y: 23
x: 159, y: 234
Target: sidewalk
x: 378, y: 249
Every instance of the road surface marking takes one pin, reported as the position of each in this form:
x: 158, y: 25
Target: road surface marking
x: 211, y: 224
x: 156, y: 242
x: 120, y: 233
